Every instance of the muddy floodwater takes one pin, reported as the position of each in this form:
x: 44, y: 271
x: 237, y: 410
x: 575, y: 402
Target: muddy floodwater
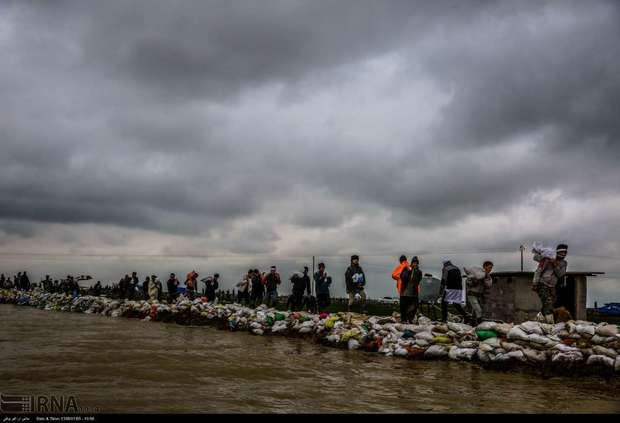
x: 126, y: 365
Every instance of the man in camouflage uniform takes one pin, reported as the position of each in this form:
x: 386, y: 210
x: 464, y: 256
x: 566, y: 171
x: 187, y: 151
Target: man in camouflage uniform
x: 550, y: 273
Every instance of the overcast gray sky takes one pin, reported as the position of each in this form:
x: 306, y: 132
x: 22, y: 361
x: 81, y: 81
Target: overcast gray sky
x: 309, y: 127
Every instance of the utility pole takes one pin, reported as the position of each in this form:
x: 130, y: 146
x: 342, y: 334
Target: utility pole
x: 522, y: 248
x: 313, y: 281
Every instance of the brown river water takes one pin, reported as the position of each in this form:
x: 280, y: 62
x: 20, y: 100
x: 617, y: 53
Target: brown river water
x: 123, y: 365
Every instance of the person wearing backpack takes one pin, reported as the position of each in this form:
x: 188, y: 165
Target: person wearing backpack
x: 355, y: 281
x: 409, y: 300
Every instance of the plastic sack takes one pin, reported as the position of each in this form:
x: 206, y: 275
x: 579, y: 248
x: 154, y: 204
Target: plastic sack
x: 436, y: 351
x: 486, y: 334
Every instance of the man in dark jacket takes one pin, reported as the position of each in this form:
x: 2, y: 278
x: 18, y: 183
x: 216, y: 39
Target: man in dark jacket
x: 172, y: 285
x: 301, y: 283
x: 410, y: 281
x: 451, y: 290
x: 272, y: 280
x: 258, y: 289
x: 25, y: 281
x: 145, y: 288
x: 355, y: 281
x: 322, y: 282
x: 211, y: 285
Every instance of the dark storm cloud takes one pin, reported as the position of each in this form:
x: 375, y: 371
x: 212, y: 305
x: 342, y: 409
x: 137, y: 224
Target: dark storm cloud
x: 145, y: 114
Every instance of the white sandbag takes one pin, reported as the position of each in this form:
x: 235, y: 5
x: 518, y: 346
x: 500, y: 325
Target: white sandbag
x: 422, y: 343
x: 559, y: 328
x: 534, y: 356
x: 475, y: 272
x: 436, y: 351
x: 334, y: 339
x: 468, y: 344
x: 400, y: 351
x: 257, y: 331
x: 516, y: 333
x: 493, y: 342
x: 486, y: 348
x: 585, y: 330
x: 516, y: 355
x: 483, y: 356
x: 531, y: 327
x: 306, y: 329
x: 605, y: 351
x: 509, y: 346
x: 504, y: 328
x: 486, y: 326
x: 600, y: 359
x: 459, y: 327
x: 567, y: 357
x: 565, y: 348
x: 456, y: 353
x: 424, y: 321
x: 600, y: 340
x: 353, y: 344
x: 427, y: 336
x: 606, y: 330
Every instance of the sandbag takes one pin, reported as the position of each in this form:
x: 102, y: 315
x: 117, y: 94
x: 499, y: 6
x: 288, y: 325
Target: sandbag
x: 436, y: 351
x: 531, y: 327
x: 534, y: 356
x: 459, y: 327
x: 486, y: 326
x: 457, y: 353
x: 600, y: 359
x: 606, y: 330
x: 442, y: 340
x: 604, y: 351
x: 518, y: 334
x: 585, y: 330
x: 485, y: 334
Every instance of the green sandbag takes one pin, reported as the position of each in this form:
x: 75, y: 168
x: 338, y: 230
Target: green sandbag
x: 269, y: 321
x: 486, y: 334
x: 278, y: 316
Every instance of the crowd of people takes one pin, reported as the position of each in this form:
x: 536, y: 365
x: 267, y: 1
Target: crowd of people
x: 467, y: 297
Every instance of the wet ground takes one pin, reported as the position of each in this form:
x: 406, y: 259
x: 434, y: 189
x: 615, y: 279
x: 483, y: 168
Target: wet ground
x: 126, y: 365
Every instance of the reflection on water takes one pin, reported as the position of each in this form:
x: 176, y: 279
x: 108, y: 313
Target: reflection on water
x: 125, y: 365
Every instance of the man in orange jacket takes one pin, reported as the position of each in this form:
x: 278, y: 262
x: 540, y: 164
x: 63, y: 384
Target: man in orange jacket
x: 398, y: 270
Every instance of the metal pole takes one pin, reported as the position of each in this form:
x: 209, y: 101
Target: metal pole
x: 313, y: 281
x: 522, y: 248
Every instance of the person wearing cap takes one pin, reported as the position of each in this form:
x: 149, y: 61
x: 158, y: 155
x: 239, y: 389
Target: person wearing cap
x: 410, y: 283
x: 322, y: 281
x: 452, y: 290
x: 479, y: 281
x: 355, y: 281
x: 271, y: 281
x: 552, y: 271
x: 403, y: 264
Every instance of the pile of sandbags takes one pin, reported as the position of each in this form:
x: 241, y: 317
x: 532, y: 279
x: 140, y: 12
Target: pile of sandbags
x: 571, y: 345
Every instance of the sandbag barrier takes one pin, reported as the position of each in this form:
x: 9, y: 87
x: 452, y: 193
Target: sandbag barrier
x: 572, y: 348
